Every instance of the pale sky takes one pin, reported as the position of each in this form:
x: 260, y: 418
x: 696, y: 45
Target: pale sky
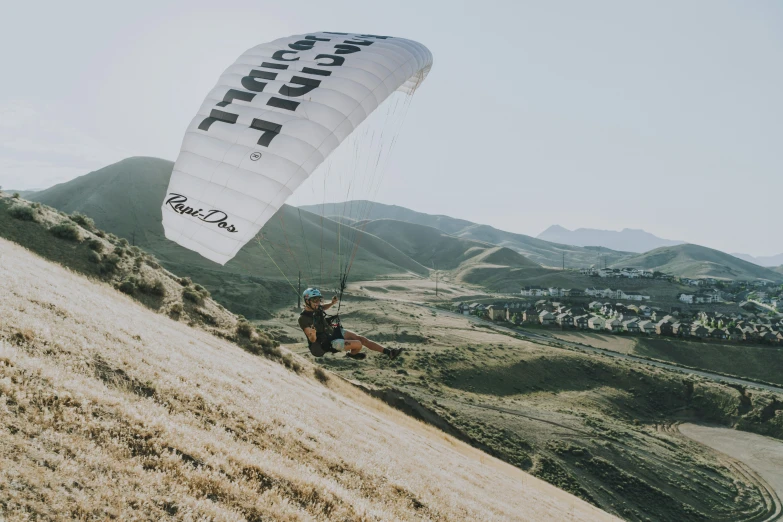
x: 666, y: 116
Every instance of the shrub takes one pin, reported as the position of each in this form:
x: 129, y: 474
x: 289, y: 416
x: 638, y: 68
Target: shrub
x: 176, y: 310
x: 16, y: 195
x: 121, y: 252
x: 152, y: 263
x: 36, y: 205
x: 203, y: 291
x: 100, y: 233
x: 321, y: 375
x: 83, y: 220
x: 96, y: 245
x: 127, y: 287
x: 245, y: 329
x: 66, y: 230
x: 124, y: 242
x: 192, y: 296
x: 94, y: 257
x: 23, y: 212
x: 154, y: 287
x: 136, y: 250
x: 185, y: 281
x: 292, y: 364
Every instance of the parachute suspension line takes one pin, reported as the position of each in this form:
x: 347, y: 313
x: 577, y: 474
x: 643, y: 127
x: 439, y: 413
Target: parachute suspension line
x: 261, y: 244
x: 281, y: 217
x: 304, y: 240
x: 380, y: 167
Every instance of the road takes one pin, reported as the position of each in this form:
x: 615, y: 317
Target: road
x: 533, y: 336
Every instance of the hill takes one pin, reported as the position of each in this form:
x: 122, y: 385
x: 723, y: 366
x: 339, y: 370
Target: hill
x: 369, y: 210
x: 111, y: 411
x: 767, y: 261
x: 434, y: 248
x: 22, y: 193
x: 125, y: 198
x: 697, y: 261
x: 628, y: 239
x: 778, y: 269
x: 537, y: 250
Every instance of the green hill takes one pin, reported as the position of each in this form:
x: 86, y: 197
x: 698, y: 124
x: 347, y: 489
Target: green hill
x: 368, y: 210
x: 778, y: 269
x: 538, y: 250
x: 434, y: 248
x: 696, y: 261
x: 125, y: 198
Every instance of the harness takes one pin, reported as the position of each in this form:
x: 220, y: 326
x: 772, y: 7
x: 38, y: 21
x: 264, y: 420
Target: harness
x: 327, y: 328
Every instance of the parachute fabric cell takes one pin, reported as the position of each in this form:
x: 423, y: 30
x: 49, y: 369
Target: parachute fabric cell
x: 274, y: 116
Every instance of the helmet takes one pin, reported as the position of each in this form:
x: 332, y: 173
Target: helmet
x: 310, y: 293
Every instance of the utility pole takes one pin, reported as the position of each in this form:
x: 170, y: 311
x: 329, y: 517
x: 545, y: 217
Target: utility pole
x: 563, y: 261
x: 436, y: 283
x: 133, y: 238
x: 299, y: 293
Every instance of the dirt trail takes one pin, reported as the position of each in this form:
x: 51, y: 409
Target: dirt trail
x: 755, y: 456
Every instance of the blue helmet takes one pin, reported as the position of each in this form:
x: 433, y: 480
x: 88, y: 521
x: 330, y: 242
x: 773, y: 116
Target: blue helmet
x: 310, y: 293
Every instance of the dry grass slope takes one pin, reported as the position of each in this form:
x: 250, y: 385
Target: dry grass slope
x: 111, y: 411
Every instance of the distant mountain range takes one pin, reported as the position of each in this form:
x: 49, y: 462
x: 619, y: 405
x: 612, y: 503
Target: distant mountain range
x: 768, y: 261
x: 22, y: 193
x: 542, y: 252
x: 696, y: 261
x: 628, y: 239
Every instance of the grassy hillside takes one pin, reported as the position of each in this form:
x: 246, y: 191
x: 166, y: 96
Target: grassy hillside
x: 544, y: 252
x: 697, y: 261
x: 111, y: 411
x: 433, y: 248
x: 125, y: 199
x: 537, y: 250
x: 369, y: 210
x: 778, y: 269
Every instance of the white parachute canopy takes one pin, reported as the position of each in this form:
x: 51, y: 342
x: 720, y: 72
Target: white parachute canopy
x: 274, y: 116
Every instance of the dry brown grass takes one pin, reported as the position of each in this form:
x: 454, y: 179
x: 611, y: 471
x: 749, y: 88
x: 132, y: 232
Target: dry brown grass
x: 108, y: 410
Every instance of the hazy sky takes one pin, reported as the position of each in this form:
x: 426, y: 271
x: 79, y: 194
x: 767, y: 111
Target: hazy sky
x: 666, y: 116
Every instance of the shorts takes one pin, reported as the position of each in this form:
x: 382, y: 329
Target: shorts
x: 338, y: 343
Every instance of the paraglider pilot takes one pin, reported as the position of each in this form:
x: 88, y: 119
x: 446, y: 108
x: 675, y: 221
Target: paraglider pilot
x: 325, y: 333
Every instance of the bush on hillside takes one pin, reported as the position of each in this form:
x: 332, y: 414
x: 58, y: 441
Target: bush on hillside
x: 152, y: 287
x: 94, y: 257
x: 100, y: 233
x: 321, y: 375
x: 245, y: 329
x: 192, y: 296
x: 185, y: 281
x: 66, y: 230
x: 176, y: 310
x: 16, y: 195
x: 96, y: 245
x: 83, y: 220
x: 127, y: 287
x: 119, y: 251
x: 124, y: 242
x: 23, y: 212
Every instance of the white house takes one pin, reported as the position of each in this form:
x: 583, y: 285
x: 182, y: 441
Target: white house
x: 596, y: 323
x: 687, y: 298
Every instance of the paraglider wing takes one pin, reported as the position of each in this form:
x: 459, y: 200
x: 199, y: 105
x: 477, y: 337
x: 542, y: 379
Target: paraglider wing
x: 274, y: 116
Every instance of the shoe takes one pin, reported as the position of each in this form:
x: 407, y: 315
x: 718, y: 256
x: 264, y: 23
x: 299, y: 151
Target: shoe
x: 394, y: 353
x: 357, y: 356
